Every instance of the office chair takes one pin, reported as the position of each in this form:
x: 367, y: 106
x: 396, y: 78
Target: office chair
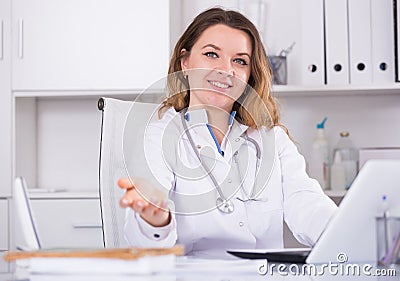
x: 123, y: 122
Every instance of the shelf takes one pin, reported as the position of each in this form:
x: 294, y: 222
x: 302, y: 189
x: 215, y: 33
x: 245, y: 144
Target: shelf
x: 64, y: 195
x: 332, y: 90
x: 278, y: 90
x: 148, y: 93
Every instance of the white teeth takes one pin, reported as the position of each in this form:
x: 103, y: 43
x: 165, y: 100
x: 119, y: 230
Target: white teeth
x: 219, y: 84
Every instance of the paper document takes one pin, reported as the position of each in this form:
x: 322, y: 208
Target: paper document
x: 100, y: 266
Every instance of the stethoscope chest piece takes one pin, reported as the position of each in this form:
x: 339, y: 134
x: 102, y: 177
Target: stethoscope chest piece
x: 225, y: 206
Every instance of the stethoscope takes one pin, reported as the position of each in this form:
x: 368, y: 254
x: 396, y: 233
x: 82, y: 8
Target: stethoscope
x: 223, y: 204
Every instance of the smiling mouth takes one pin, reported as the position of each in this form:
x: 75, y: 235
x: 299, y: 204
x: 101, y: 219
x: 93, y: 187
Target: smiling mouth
x: 219, y: 84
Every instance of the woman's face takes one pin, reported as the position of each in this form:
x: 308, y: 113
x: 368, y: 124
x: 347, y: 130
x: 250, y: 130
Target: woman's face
x: 218, y: 66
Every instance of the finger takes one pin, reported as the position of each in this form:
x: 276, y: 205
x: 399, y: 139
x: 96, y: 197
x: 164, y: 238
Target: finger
x: 125, y: 183
x: 158, y: 213
x: 155, y: 216
x: 130, y: 198
x: 164, y: 205
x: 138, y: 206
x: 148, y: 211
x: 153, y: 210
x: 161, y: 204
x: 162, y: 214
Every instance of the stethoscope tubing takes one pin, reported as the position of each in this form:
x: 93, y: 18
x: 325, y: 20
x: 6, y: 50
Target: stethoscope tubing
x: 203, y: 165
x: 223, y: 204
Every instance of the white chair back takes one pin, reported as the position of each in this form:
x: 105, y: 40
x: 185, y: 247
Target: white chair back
x: 114, y: 158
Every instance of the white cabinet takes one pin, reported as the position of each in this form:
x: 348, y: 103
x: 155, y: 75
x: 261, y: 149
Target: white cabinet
x: 89, y: 45
x: 4, y: 266
x: 68, y: 223
x: 5, y: 100
x: 3, y: 225
x: 4, y: 233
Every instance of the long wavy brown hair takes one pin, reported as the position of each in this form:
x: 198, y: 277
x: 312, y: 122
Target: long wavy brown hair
x: 253, y: 110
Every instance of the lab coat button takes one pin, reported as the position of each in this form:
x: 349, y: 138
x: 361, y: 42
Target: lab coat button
x: 241, y: 224
x: 229, y: 180
x: 238, y: 139
x: 198, y: 146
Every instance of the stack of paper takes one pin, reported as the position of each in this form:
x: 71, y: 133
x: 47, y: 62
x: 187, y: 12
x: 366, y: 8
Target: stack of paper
x: 101, y: 266
x: 99, y: 261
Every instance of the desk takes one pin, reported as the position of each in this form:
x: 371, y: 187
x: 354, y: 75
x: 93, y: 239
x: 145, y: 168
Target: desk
x: 192, y: 269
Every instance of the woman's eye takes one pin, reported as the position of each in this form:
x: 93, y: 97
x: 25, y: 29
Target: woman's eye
x: 240, y: 61
x: 211, y: 55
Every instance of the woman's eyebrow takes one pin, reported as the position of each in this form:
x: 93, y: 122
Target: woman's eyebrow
x: 244, y: 54
x: 212, y: 46
x: 219, y: 49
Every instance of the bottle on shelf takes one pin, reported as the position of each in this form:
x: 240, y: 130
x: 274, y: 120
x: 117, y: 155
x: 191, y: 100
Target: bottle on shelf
x: 338, y: 173
x: 345, y: 157
x: 319, y: 161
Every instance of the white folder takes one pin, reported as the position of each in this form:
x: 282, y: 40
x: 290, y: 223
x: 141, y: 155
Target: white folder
x: 312, y: 65
x: 336, y: 42
x: 382, y: 31
x: 396, y: 8
x: 359, y: 20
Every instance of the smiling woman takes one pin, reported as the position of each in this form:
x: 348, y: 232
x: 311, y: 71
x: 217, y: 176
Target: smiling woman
x: 221, y: 153
x: 225, y: 64
x: 232, y: 25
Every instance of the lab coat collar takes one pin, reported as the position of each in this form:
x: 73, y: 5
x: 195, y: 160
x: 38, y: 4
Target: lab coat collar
x: 234, y: 139
x: 199, y: 116
x: 197, y: 120
x: 196, y: 117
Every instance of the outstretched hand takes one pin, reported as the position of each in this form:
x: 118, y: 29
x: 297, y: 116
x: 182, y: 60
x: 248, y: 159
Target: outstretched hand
x: 153, y: 212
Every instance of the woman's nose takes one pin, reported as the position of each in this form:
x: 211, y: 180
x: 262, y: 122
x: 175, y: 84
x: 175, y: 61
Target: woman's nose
x: 226, y: 68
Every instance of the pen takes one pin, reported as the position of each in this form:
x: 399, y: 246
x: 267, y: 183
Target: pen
x: 391, y: 255
x: 396, y: 250
x: 385, y: 222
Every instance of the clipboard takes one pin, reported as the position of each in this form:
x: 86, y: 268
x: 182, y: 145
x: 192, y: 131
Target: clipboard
x: 123, y: 253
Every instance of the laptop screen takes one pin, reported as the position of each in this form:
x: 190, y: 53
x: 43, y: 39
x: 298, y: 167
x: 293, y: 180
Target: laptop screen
x: 25, y: 221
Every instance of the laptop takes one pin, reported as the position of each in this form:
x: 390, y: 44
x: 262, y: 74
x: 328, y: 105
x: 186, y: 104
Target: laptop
x: 24, y: 218
x: 351, y: 233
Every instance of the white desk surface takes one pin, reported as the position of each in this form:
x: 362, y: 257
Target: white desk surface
x: 205, y: 270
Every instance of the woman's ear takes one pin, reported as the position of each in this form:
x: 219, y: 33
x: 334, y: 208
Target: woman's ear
x: 184, y: 60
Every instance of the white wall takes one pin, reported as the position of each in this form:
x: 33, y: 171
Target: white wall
x: 68, y: 143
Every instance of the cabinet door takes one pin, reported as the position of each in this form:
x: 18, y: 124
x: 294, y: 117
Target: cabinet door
x: 5, y: 98
x: 3, y: 234
x: 68, y: 222
x: 3, y: 225
x: 3, y: 266
x: 89, y: 45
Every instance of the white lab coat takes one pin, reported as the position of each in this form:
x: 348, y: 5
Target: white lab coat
x: 284, y: 190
